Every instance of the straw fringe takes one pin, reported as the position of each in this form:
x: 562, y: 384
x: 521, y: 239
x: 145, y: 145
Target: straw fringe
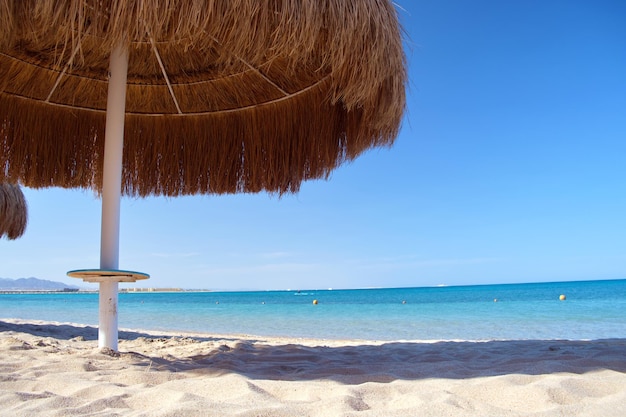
x: 272, y: 92
x: 271, y: 147
x: 13, y: 211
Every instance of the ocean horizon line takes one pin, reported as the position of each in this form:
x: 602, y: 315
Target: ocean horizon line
x: 442, y: 285
x: 171, y: 289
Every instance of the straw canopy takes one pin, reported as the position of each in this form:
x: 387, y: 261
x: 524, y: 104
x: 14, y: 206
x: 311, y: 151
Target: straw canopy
x: 223, y: 96
x: 13, y: 211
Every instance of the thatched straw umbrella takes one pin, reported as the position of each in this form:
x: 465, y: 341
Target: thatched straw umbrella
x: 153, y: 97
x: 13, y: 211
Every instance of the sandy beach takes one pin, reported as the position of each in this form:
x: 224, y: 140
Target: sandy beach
x: 56, y: 369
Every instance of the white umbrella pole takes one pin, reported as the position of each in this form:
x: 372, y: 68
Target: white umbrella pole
x: 111, y: 196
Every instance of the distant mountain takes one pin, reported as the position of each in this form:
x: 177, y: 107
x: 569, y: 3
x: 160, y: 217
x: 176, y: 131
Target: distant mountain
x: 33, y: 284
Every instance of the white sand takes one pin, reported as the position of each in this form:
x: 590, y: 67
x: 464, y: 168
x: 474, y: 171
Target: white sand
x: 55, y: 369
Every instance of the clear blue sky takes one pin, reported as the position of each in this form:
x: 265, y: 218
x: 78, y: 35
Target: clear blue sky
x: 510, y: 167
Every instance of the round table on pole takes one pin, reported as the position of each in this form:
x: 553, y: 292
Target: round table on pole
x: 107, y: 275
x: 108, y: 280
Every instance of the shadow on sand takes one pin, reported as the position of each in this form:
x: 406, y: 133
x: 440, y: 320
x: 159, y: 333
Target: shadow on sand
x: 411, y: 361
x: 356, y: 364
x: 70, y: 331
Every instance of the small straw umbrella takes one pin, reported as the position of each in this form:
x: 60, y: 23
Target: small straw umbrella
x: 182, y: 97
x: 13, y: 211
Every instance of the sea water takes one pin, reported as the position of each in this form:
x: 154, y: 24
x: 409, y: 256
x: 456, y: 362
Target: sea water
x: 592, y: 310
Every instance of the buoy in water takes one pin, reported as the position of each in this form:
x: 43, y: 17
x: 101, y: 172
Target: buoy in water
x: 314, y: 301
x: 562, y: 297
x: 495, y: 300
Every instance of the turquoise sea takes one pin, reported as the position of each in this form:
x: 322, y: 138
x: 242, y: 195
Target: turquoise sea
x: 592, y: 310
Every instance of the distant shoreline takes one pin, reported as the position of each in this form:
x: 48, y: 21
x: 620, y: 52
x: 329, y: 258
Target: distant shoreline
x: 60, y: 291
x: 89, y: 291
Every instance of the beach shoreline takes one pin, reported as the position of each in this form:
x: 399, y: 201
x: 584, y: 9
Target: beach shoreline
x: 52, y: 368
